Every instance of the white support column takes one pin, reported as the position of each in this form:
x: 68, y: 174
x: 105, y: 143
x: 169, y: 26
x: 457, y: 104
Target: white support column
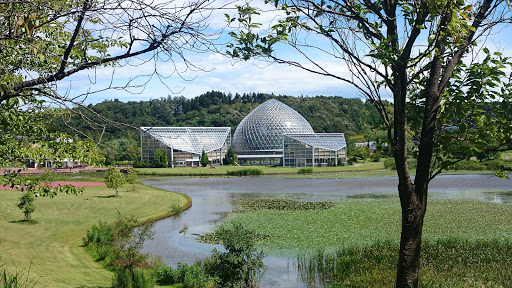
x: 141, y: 145
x: 172, y: 158
x: 313, y: 155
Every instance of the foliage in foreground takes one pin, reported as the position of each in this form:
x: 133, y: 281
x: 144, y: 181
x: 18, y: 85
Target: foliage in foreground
x: 445, y: 263
x: 18, y: 279
x: 118, y: 244
x: 240, y: 265
x: 245, y: 172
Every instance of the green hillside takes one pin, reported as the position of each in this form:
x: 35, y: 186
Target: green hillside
x: 216, y: 109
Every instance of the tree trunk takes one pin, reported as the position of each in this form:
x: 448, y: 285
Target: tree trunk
x: 414, y: 206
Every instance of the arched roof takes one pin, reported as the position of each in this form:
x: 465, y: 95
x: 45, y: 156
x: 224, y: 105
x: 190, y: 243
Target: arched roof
x: 190, y: 139
x: 263, y: 128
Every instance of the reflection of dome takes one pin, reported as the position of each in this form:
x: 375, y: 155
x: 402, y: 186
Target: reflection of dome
x: 262, y: 129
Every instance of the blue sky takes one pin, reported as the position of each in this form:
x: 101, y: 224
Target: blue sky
x: 217, y: 72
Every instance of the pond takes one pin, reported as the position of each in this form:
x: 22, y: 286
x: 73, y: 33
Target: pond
x: 212, y: 200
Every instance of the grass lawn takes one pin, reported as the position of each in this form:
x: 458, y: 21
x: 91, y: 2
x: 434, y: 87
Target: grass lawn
x: 267, y: 170
x: 52, y: 246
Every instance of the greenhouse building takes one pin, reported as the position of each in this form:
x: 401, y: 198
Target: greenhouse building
x: 275, y: 134
x: 184, y: 145
x: 271, y: 134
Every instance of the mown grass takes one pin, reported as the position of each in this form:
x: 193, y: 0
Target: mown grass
x: 79, y: 177
x: 52, y: 247
x: 267, y: 170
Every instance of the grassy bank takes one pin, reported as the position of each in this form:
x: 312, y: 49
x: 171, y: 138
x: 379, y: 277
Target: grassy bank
x: 267, y: 170
x: 52, y: 246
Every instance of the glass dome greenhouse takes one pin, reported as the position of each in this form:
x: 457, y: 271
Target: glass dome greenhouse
x: 262, y: 130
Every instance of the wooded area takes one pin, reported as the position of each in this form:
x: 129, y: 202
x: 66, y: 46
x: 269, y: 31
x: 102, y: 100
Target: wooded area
x: 335, y: 114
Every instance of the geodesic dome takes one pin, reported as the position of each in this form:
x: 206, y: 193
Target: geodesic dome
x: 263, y: 128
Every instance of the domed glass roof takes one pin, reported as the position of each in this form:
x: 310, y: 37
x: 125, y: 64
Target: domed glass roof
x: 262, y: 129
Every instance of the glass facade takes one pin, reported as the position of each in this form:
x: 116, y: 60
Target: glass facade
x: 271, y: 134
x: 261, y: 131
x: 322, y: 149
x: 184, y: 145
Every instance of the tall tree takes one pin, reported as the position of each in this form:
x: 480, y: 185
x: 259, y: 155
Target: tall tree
x: 411, y: 50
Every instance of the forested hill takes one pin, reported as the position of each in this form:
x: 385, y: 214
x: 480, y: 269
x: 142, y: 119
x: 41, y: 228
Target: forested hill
x: 218, y: 109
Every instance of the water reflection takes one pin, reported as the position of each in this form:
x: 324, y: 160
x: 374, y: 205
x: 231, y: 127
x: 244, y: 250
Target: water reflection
x: 213, y: 198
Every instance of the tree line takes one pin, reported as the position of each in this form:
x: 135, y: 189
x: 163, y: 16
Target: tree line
x: 326, y: 114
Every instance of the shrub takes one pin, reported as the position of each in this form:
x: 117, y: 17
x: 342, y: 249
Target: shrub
x: 306, y: 170
x: 144, y: 164
x: 131, y: 178
x: 375, y: 157
x: 230, y: 158
x: 119, y: 245
x: 165, y: 275
x: 467, y: 165
x: 160, y: 160
x: 103, y: 237
x: 245, y: 172
x: 390, y: 163
x: 137, y: 278
x: 239, y: 266
x: 191, y: 276
x: 204, y: 159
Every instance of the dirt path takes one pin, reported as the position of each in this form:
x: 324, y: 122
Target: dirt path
x: 61, y: 183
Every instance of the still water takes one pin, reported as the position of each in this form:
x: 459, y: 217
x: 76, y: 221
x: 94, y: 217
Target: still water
x: 212, y: 199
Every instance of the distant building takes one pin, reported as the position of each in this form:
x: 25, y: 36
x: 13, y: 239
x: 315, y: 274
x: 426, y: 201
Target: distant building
x: 313, y: 149
x: 184, y: 145
x: 372, y: 145
x: 275, y: 134
x: 271, y: 134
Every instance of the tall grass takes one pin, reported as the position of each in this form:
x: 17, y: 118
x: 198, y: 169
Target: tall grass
x: 444, y: 263
x: 245, y: 172
x: 18, y: 279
